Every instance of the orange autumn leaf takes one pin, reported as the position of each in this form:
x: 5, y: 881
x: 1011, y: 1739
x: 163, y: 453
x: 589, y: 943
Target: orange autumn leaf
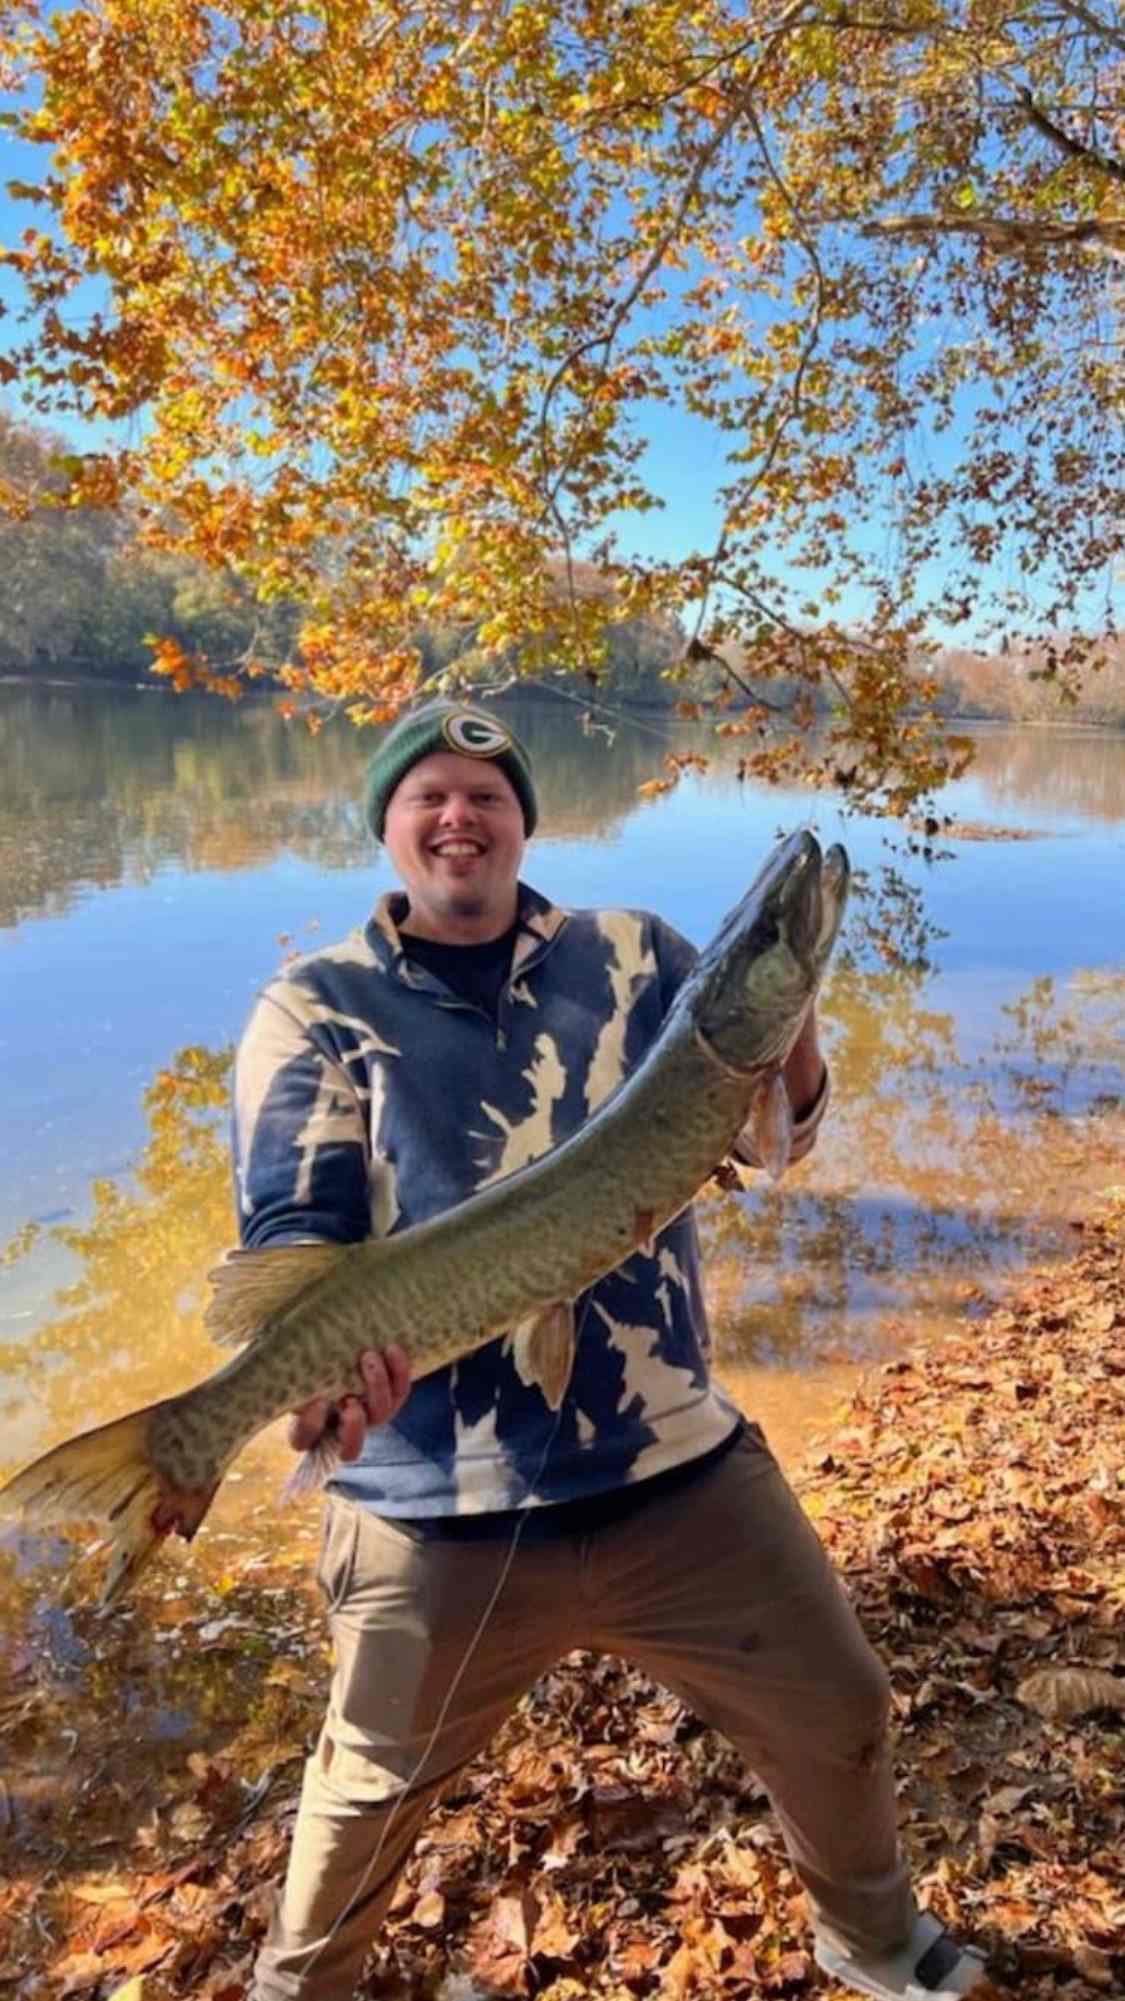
x: 397, y: 382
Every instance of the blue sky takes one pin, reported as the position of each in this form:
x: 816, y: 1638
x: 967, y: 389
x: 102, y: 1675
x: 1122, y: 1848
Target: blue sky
x: 684, y: 460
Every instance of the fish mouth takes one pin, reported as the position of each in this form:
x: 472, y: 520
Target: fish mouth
x: 753, y: 984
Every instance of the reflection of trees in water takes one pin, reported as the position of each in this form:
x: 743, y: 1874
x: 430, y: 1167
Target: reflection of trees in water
x: 127, y: 1330
x: 102, y: 788
x: 930, y: 1171
x: 106, y: 788
x: 887, y: 923
x: 1066, y: 772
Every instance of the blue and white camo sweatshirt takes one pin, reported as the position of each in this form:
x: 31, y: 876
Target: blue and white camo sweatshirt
x: 369, y: 1097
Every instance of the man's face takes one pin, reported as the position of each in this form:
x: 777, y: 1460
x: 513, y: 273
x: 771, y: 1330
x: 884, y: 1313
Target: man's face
x: 454, y: 831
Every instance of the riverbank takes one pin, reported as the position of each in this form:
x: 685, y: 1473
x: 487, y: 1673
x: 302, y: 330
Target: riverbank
x: 1066, y: 721
x: 607, y: 1846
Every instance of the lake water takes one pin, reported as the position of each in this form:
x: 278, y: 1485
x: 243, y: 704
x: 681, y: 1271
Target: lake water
x: 158, y: 858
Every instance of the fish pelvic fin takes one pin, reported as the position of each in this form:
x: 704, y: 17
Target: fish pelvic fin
x: 771, y: 1124
x: 107, y: 1476
x: 251, y: 1285
x: 312, y: 1470
x: 543, y: 1350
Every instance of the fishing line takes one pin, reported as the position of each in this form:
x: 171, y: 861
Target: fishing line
x: 454, y: 1685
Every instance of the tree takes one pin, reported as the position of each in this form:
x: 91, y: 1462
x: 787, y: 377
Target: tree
x: 403, y: 289
x: 53, y: 559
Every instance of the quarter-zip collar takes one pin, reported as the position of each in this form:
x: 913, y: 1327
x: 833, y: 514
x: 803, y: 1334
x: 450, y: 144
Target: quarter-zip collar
x: 540, y: 923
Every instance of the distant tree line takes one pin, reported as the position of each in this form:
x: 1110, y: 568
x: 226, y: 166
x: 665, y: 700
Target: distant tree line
x: 80, y: 595
x: 1017, y: 688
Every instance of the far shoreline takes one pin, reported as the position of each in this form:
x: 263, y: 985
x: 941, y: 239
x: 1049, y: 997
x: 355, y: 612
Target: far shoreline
x: 98, y: 684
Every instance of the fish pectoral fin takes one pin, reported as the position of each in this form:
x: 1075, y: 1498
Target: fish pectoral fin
x: 543, y: 1350
x: 770, y: 1125
x: 249, y: 1286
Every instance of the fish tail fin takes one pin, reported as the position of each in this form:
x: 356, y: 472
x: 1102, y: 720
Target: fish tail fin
x: 107, y: 1475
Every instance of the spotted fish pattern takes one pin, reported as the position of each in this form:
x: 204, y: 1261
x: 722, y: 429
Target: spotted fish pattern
x: 369, y: 1098
x: 349, y: 1114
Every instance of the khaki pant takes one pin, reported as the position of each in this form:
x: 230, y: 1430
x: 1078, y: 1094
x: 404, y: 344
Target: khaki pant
x: 721, y: 1591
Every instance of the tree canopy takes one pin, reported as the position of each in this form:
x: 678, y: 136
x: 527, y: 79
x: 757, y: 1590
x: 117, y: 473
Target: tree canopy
x: 399, y: 291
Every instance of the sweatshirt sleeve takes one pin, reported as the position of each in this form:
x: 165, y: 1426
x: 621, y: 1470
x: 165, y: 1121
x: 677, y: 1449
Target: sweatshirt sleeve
x: 675, y: 957
x: 300, y: 1141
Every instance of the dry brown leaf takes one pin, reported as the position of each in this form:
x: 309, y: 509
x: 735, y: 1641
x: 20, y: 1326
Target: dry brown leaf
x: 554, y: 1937
x: 1062, y: 1693
x: 1009, y: 1799
x: 77, y: 1971
x: 189, y: 1822
x: 566, y: 1838
x: 99, y: 1891
x: 501, y: 1945
x: 1095, y: 1966
x: 429, y: 1911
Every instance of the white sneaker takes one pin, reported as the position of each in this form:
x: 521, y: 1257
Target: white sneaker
x: 931, y: 1966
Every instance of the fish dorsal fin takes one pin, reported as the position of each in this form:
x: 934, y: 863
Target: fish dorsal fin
x: 249, y: 1286
x: 543, y: 1350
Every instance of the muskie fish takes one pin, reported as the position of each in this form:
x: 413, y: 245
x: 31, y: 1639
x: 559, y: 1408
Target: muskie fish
x: 516, y: 1256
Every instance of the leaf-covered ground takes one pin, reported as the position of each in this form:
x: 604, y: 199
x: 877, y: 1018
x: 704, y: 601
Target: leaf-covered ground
x: 607, y: 1846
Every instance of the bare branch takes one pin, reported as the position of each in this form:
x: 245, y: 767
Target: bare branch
x: 606, y: 336
x: 1105, y: 29
x: 757, y: 701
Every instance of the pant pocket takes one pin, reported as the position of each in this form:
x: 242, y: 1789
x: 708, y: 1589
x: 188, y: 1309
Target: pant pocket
x: 336, y: 1563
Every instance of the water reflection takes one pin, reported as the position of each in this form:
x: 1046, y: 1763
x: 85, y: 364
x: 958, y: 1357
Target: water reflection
x: 935, y: 1172
x: 1073, y: 773
x: 108, y: 789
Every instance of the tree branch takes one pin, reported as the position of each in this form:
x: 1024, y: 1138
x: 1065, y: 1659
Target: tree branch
x: 1011, y: 235
x: 1096, y: 26
x: 554, y: 480
x: 1066, y: 142
x: 812, y: 341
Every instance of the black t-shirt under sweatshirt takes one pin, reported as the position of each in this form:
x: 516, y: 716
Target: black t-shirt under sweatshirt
x: 475, y: 973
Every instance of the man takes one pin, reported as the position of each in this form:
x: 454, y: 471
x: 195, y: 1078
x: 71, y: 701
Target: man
x: 472, y: 1535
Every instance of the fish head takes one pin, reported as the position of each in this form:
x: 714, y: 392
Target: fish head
x: 752, y: 987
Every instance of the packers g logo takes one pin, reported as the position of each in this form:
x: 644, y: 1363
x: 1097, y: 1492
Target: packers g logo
x: 475, y: 736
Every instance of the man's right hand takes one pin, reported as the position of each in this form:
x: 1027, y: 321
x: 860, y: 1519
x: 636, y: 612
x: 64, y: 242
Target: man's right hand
x: 384, y: 1377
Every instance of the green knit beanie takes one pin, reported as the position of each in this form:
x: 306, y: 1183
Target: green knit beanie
x: 445, y: 725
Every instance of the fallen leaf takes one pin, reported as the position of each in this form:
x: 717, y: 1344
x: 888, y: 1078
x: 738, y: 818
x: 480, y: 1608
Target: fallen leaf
x: 429, y: 1911
x: 99, y: 1891
x: 1009, y: 1799
x: 1062, y: 1693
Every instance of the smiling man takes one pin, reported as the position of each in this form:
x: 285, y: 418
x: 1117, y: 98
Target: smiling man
x: 473, y: 1535
x: 455, y: 826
